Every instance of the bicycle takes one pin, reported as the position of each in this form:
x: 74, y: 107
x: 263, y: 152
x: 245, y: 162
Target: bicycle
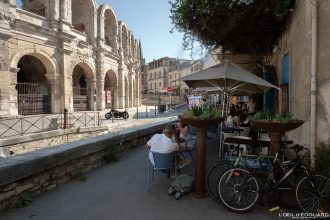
x: 240, y: 188
x: 250, y: 161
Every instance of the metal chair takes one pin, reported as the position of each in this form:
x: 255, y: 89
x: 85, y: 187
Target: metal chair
x: 163, y: 162
x: 245, y: 131
x: 223, y: 137
x: 191, y: 145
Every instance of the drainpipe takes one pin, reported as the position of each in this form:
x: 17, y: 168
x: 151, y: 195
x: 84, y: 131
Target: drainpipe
x: 313, y: 78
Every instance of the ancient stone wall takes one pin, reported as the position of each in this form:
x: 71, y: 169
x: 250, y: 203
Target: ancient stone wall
x: 59, y: 36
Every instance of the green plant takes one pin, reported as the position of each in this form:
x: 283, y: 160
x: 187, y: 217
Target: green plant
x: 79, y: 174
x: 322, y: 155
x: 78, y: 130
x: 274, y: 117
x: 202, y: 113
x: 24, y: 199
x: 283, y: 117
x: 231, y: 24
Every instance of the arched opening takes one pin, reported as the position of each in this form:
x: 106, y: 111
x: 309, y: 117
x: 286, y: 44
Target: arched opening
x: 126, y: 93
x: 33, y: 90
x: 82, y: 87
x: 110, y: 89
x: 83, y: 17
x: 38, y: 7
x: 110, y: 30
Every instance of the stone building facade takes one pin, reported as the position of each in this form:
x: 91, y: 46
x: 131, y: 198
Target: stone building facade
x: 58, y: 54
x: 292, y: 59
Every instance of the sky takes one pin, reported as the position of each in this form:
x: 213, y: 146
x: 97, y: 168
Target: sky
x: 149, y: 20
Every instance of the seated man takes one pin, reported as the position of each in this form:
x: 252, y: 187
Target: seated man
x: 164, y: 143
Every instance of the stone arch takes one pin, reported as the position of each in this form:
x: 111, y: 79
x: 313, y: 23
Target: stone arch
x: 47, y: 59
x: 108, y: 27
x: 38, y: 7
x: 82, y: 17
x: 83, y: 86
x: 36, y: 77
x: 111, y: 85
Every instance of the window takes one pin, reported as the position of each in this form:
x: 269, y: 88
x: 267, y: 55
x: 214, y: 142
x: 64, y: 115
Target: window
x: 150, y: 86
x: 160, y: 84
x: 155, y: 75
x: 160, y: 74
x: 170, y: 76
x: 155, y: 86
x: 150, y: 75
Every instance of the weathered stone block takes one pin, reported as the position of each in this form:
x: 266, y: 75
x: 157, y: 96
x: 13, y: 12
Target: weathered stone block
x: 22, y: 187
x: 9, y: 187
x: 6, y: 195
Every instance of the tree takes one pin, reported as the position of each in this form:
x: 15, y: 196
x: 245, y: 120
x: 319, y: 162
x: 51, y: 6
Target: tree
x: 240, y: 26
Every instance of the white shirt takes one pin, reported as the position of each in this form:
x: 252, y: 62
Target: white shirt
x: 159, y: 143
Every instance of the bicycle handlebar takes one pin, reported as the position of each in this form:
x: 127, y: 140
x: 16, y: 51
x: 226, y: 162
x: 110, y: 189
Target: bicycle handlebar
x: 298, y: 148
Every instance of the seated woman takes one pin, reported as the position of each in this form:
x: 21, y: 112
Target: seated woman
x: 187, y: 141
x: 230, y: 122
x: 185, y: 136
x: 244, y: 120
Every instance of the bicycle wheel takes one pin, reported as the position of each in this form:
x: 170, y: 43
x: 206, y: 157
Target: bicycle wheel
x: 213, y: 175
x: 313, y: 194
x: 238, y: 190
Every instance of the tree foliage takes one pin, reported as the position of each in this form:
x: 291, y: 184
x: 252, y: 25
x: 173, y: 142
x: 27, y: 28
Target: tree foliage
x: 240, y: 26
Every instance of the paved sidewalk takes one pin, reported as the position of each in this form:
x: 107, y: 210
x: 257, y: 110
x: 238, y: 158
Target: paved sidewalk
x: 118, y: 192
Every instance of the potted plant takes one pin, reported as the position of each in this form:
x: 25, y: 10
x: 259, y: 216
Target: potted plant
x: 201, y: 118
x: 276, y: 125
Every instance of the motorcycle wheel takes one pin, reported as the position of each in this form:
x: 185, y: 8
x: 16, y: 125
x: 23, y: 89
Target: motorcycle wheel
x: 108, y: 115
x: 125, y: 115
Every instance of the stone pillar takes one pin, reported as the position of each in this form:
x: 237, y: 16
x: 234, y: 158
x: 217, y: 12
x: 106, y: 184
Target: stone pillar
x: 54, y: 80
x: 130, y: 88
x: 100, y: 97
x: 66, y: 82
x: 8, y: 93
x: 121, y: 88
x: 91, y: 86
x: 54, y: 13
x: 8, y: 74
x: 101, y: 30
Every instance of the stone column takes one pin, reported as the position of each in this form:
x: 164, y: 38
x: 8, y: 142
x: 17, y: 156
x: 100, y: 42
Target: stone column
x: 91, y: 86
x: 130, y: 88
x: 8, y: 92
x: 54, y: 80
x: 121, y: 88
x: 100, y: 97
x: 54, y: 12
x: 101, y: 30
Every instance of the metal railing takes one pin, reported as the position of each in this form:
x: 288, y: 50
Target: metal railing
x: 40, y: 123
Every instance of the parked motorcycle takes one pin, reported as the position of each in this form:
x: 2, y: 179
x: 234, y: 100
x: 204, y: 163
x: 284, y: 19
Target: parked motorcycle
x: 116, y: 114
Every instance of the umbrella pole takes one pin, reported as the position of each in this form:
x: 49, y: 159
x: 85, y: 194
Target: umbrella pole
x: 223, y: 103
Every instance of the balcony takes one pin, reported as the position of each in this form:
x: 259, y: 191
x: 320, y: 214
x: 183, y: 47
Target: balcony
x: 32, y: 18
